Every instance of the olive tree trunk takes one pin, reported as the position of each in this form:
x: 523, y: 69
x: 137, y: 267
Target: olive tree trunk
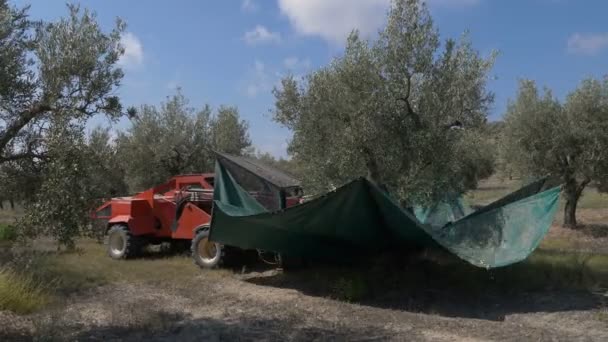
x: 572, y: 191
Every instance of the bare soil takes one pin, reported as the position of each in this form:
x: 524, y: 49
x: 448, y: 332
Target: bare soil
x: 257, y: 306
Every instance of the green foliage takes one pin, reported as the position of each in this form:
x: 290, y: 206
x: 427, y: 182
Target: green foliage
x: 106, y: 173
x: 176, y: 139
x: 62, y: 204
x: 55, y: 76
x: 569, y: 141
x: 166, y: 141
x: 20, y: 294
x: 384, y: 109
x: 288, y: 166
x: 7, y: 232
x: 229, y: 133
x: 66, y: 69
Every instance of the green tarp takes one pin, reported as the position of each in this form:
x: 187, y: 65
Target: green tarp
x: 360, y: 218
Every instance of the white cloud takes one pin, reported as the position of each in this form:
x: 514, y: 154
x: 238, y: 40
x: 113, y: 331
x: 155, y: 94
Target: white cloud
x: 587, y: 43
x: 249, y: 6
x: 260, y: 35
x: 334, y: 20
x: 134, y: 51
x: 293, y: 63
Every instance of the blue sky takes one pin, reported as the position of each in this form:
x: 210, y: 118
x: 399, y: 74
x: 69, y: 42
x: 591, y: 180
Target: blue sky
x: 235, y: 51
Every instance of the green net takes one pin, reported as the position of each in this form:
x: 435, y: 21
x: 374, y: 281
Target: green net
x: 360, y: 218
x: 451, y: 209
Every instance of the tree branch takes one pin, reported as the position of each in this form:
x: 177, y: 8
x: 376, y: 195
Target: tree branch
x: 408, y: 106
x: 582, y: 185
x: 24, y: 118
x: 24, y: 155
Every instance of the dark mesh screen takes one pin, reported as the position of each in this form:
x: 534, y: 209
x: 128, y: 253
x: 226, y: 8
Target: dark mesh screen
x: 264, y: 192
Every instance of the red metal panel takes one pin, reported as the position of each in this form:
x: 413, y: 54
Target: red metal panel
x: 192, y: 217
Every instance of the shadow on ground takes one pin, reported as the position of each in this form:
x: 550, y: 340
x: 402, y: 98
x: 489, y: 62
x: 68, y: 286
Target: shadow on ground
x: 448, y: 287
x: 180, y: 327
x: 595, y: 230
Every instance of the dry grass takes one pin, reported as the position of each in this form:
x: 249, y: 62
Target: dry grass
x: 88, y: 267
x: 21, y: 293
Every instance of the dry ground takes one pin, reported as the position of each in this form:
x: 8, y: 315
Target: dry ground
x: 166, y: 298
x: 559, y: 294
x: 233, y: 310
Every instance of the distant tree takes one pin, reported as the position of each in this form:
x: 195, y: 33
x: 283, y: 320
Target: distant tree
x: 288, y: 166
x: 166, y: 141
x: 229, y: 133
x: 175, y: 139
x: 390, y: 109
x: 106, y: 172
x: 544, y: 137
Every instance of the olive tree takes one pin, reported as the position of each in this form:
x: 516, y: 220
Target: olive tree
x: 106, y: 172
x: 61, y: 206
x: 65, y: 69
x: 387, y: 109
x: 165, y: 141
x: 176, y: 138
x: 229, y: 133
x: 569, y: 141
x: 54, y: 76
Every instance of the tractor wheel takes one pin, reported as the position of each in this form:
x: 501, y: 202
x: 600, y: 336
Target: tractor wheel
x: 206, y: 254
x: 121, y: 244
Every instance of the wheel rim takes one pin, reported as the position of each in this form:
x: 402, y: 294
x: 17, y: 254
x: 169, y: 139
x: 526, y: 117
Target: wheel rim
x: 207, y: 250
x: 117, y: 244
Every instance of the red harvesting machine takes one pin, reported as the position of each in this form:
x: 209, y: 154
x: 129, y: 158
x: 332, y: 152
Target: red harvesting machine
x: 178, y: 211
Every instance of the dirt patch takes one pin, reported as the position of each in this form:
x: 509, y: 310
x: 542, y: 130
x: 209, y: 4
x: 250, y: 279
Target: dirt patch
x: 233, y: 308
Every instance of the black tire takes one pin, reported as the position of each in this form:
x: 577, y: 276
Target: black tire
x: 122, y: 244
x: 206, y: 254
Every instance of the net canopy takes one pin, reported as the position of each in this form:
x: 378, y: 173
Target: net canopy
x: 361, y: 218
x: 266, y: 184
x: 450, y: 209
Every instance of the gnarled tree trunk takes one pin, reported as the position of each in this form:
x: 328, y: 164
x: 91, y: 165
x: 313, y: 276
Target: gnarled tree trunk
x: 572, y: 191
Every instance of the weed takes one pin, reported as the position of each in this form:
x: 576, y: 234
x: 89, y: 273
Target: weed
x: 7, y: 232
x: 20, y: 293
